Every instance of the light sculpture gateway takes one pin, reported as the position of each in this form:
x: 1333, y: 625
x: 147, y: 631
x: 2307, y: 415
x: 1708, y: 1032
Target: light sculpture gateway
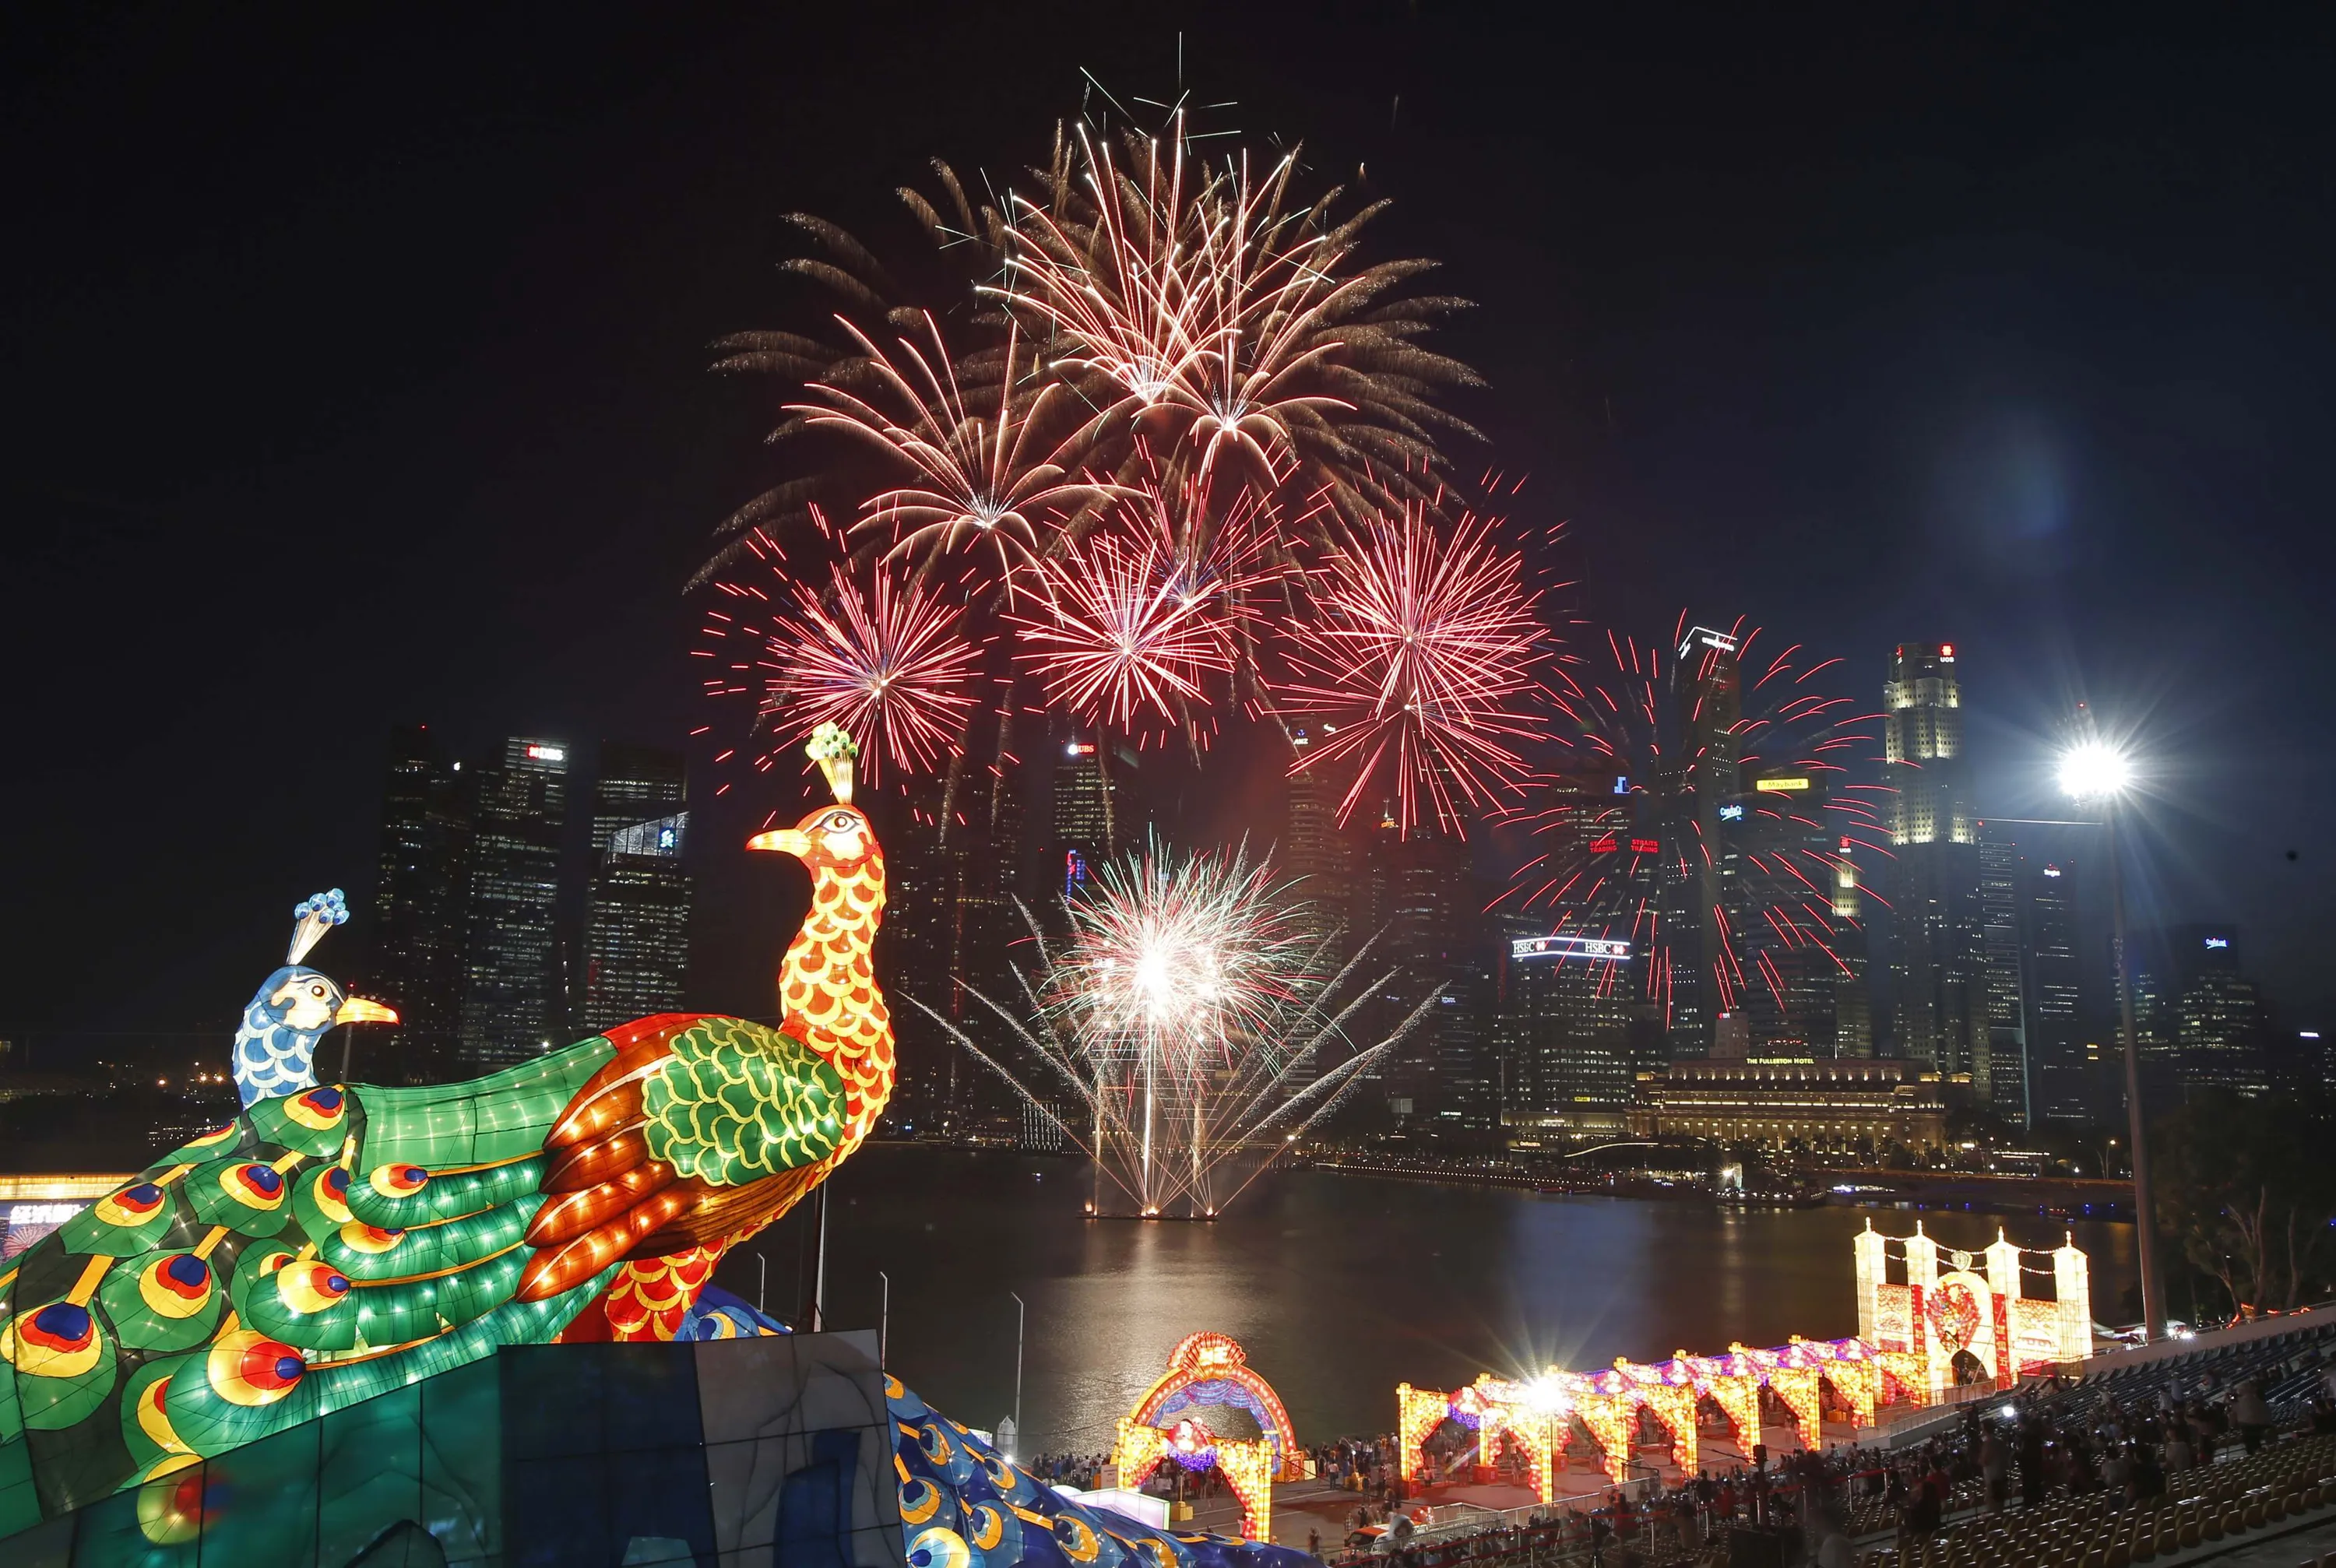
x: 1211, y: 1370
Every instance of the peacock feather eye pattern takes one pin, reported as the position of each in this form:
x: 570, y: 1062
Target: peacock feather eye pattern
x: 937, y: 1548
x: 178, y: 1286
x: 920, y: 1501
x: 133, y: 1205
x: 249, y: 1369
x: 310, y: 1287
x: 328, y: 1190
x: 360, y: 1237
x: 398, y: 1180
x: 319, y: 1110
x: 61, y: 1339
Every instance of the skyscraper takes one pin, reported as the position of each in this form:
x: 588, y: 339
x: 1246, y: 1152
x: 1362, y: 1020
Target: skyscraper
x: 634, y: 783
x: 1852, y: 998
x: 422, y: 882
x: 2061, y: 1078
x: 1425, y: 907
x: 637, y: 917
x: 1098, y: 812
x: 1315, y: 851
x: 512, y: 994
x: 2199, y: 1015
x: 1697, y: 867
x: 637, y: 932
x: 2011, y: 1077
x: 1566, y: 1009
x: 1784, y: 975
x: 1938, y: 958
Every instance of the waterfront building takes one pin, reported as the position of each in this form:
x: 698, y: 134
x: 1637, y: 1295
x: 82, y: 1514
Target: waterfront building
x: 422, y: 875
x: 2063, y: 1084
x: 1786, y: 974
x: 513, y: 995
x: 1315, y: 853
x: 637, y: 932
x: 1696, y: 864
x: 1852, y: 998
x: 1098, y: 808
x: 1938, y: 958
x: 1567, y: 1006
x: 1838, y: 1106
x: 2200, y: 1021
x: 2010, y: 1080
x: 1426, y: 908
x: 634, y: 783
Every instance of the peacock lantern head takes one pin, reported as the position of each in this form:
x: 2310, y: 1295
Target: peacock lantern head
x: 276, y: 1047
x: 837, y: 837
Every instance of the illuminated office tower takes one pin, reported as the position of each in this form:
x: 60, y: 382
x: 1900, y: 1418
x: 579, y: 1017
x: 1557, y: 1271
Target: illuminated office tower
x: 1098, y: 811
x: 1938, y: 957
x: 1697, y: 865
x: 637, y: 935
x: 1852, y: 1000
x: 1785, y: 972
x: 2011, y: 1074
x: 421, y: 874
x: 2062, y: 1085
x: 636, y: 921
x: 1315, y: 853
x: 512, y: 993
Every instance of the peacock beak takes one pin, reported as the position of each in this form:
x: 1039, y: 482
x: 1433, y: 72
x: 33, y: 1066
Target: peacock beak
x: 357, y: 1010
x: 788, y: 841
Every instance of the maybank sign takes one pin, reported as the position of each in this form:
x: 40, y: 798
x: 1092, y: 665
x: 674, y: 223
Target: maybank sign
x: 1612, y: 950
x: 1790, y: 785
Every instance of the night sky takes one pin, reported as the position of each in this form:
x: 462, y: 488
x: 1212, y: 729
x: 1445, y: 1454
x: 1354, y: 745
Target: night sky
x: 356, y: 373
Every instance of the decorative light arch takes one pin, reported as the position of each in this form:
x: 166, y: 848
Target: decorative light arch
x: 1211, y: 1368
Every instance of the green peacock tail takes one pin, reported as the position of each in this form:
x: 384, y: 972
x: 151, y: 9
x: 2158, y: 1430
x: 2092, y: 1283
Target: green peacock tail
x: 319, y: 1250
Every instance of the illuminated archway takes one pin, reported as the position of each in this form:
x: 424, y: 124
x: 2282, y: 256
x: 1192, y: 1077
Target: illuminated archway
x: 1247, y: 1464
x: 1211, y: 1368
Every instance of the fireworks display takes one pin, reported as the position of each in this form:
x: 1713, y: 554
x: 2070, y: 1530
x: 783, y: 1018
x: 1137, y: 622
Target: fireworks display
x: 1704, y: 810
x: 1170, y: 452
x: 1192, y: 1023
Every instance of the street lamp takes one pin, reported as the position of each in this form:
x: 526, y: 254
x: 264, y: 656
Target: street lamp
x: 2098, y: 773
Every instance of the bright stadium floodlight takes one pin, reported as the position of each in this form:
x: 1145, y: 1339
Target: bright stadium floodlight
x: 2095, y: 770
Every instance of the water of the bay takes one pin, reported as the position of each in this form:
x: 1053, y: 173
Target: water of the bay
x: 1339, y: 1286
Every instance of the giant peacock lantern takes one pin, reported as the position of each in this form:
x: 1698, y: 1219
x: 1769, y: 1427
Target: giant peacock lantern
x: 334, y: 1242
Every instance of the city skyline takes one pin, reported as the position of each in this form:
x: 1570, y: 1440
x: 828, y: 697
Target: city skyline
x: 1985, y: 491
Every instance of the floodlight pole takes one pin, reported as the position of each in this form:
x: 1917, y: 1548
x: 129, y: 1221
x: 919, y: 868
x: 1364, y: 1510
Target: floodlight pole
x: 2144, y: 1210
x: 1021, y: 1312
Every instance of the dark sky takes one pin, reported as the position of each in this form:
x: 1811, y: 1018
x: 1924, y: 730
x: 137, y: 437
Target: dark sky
x: 354, y: 372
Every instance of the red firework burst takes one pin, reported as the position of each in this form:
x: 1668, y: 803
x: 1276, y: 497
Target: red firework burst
x: 1414, y: 664
x: 887, y: 661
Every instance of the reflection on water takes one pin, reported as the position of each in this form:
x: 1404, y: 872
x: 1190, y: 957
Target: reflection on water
x: 1339, y: 1286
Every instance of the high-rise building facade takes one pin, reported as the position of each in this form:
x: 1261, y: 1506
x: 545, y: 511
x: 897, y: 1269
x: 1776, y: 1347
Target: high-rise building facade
x: 1852, y: 998
x: 419, y: 893
x: 1315, y: 851
x: 2200, y: 1020
x: 636, y: 916
x: 1099, y: 809
x: 637, y: 929
x: 1938, y: 958
x: 1697, y: 865
x: 2010, y: 1077
x: 634, y: 783
x: 1568, y: 1005
x: 2062, y: 1087
x: 513, y: 994
x: 1781, y: 971
x: 1428, y: 914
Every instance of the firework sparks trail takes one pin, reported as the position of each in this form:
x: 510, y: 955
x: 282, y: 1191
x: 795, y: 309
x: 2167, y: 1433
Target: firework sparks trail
x: 887, y: 662
x: 1661, y: 785
x: 986, y: 478
x: 1415, y: 665
x: 1187, y: 1019
x: 1149, y: 433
